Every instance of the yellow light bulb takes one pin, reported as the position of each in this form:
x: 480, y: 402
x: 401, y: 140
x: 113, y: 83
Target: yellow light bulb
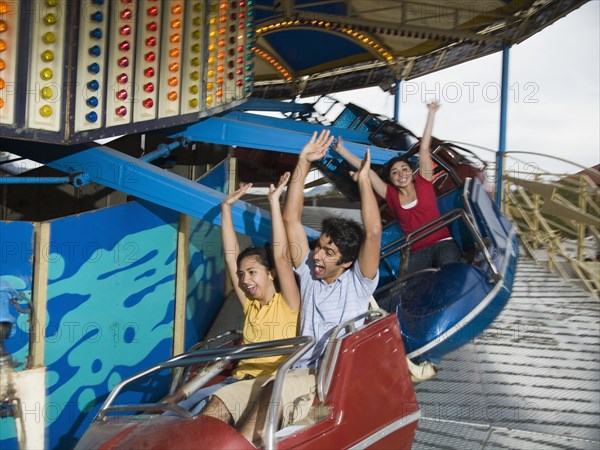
x: 46, y: 74
x: 49, y: 38
x: 50, y: 19
x: 46, y: 111
x: 47, y: 56
x: 46, y: 93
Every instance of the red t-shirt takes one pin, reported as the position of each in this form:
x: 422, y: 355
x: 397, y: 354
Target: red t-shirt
x: 425, y: 211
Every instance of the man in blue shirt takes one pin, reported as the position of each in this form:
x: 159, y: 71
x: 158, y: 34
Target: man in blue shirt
x: 337, y: 277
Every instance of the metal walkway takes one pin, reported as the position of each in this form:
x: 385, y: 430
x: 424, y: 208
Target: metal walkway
x: 531, y: 381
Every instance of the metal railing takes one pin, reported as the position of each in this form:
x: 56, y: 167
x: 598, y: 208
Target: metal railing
x: 556, y: 214
x: 216, y: 360
x: 558, y: 221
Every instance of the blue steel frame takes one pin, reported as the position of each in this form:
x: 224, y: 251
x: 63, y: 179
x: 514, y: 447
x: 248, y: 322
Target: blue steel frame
x: 503, y: 115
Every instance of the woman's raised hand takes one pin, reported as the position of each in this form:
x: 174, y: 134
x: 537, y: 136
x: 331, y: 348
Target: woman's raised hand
x: 275, y: 192
x: 235, y: 196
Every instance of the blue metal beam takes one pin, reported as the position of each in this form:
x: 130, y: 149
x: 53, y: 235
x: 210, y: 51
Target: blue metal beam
x: 268, y: 133
x: 124, y: 173
x: 264, y: 104
x: 503, y: 115
x: 35, y: 180
x: 397, y: 100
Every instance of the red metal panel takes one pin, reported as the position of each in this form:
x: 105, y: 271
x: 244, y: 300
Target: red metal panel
x: 370, y: 389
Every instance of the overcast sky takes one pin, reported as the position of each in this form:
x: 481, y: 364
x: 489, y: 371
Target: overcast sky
x: 554, y: 99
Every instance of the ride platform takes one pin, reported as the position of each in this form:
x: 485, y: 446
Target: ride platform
x: 530, y: 381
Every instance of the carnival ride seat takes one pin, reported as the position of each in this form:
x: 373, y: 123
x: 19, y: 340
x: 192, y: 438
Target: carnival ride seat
x: 434, y: 303
x: 360, y: 366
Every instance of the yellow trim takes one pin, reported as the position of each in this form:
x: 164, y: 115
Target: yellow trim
x: 361, y: 38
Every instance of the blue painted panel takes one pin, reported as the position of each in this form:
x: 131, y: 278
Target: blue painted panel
x: 272, y: 134
x: 16, y: 273
x: 315, y: 49
x: 110, y: 309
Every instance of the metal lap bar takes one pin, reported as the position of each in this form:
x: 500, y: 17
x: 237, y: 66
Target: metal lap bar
x: 404, y: 243
x: 180, y: 372
x: 330, y: 356
x: 275, y: 403
x: 220, y: 356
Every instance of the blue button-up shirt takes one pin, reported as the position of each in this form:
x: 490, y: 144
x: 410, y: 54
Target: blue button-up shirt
x: 325, y: 306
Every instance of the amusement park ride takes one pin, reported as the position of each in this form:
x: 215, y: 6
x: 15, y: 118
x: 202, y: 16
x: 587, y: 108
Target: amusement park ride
x: 194, y: 72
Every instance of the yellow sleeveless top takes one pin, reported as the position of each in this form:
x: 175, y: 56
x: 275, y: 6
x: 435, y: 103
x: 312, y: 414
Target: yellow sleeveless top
x: 275, y: 320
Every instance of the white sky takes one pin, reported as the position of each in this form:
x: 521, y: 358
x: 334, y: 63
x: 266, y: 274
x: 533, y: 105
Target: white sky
x: 554, y: 100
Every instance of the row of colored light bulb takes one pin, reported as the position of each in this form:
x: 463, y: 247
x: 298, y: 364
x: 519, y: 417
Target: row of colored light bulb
x: 196, y: 51
x: 150, y: 71
x: 95, y: 51
x: 47, y: 55
x: 173, y: 65
x: 126, y: 47
x: 223, y: 50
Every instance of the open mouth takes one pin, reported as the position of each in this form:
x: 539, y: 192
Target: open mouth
x: 251, y: 289
x: 319, y: 270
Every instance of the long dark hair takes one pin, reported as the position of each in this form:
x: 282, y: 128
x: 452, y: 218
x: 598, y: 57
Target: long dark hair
x: 387, y: 167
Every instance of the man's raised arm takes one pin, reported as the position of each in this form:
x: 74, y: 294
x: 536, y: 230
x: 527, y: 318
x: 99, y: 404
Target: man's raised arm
x: 368, y: 256
x: 292, y: 213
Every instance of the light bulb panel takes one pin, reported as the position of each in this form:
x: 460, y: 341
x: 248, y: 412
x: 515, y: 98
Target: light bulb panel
x: 120, y: 84
x: 192, y: 85
x: 171, y: 58
x: 95, y: 69
x: 45, y: 82
x: 91, y: 68
x: 147, y: 71
x: 9, y: 32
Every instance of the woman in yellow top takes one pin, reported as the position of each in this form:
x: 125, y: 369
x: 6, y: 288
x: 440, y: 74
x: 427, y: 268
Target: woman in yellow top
x: 268, y: 314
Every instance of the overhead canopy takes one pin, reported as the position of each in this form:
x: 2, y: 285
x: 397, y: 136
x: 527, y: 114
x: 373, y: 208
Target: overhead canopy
x: 315, y: 47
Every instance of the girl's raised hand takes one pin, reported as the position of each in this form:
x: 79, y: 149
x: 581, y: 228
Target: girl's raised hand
x: 235, y: 196
x: 275, y: 192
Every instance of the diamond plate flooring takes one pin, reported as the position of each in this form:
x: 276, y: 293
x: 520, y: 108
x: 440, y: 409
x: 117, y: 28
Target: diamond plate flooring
x: 530, y: 381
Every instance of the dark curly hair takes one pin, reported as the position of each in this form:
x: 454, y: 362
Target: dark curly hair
x: 346, y: 234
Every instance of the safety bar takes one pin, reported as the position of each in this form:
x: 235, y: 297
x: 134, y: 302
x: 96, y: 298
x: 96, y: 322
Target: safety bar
x: 275, y: 403
x: 403, y: 244
x: 180, y: 372
x: 220, y: 358
x: 331, y: 350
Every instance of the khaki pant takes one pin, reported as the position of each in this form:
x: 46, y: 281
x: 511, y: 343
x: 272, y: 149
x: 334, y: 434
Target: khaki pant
x: 297, y: 395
